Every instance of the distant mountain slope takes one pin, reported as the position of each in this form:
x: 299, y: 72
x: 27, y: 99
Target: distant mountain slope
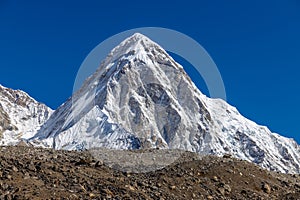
x: 20, y: 116
x: 141, y: 98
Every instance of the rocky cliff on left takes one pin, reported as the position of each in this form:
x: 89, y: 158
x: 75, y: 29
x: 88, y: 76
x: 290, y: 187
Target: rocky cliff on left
x: 20, y: 116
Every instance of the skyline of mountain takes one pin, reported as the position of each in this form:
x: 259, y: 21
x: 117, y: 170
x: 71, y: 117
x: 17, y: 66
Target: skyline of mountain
x: 254, y: 44
x: 139, y: 97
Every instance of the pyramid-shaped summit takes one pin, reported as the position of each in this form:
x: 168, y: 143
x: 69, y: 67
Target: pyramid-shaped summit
x: 139, y: 97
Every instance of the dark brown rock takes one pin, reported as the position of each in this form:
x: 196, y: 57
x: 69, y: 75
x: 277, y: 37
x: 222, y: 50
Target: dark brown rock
x: 27, y: 173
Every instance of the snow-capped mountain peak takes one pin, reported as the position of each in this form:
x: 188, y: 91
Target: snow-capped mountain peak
x: 21, y: 116
x: 137, y: 43
x: 139, y: 97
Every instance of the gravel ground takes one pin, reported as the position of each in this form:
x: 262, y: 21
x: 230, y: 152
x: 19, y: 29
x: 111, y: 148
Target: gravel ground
x: 34, y: 173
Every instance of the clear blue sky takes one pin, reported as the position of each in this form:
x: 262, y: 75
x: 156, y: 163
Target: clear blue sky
x: 255, y: 44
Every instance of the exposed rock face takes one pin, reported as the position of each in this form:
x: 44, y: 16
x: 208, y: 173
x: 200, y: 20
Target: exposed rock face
x: 20, y: 116
x: 5, y: 123
x: 139, y: 97
x: 250, y: 147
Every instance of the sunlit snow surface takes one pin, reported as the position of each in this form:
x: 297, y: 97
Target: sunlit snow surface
x: 21, y: 116
x: 140, y: 97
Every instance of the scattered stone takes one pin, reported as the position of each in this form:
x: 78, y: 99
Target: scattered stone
x: 227, y: 188
x: 92, y: 195
x: 222, y: 191
x: 8, y: 176
x: 266, y: 188
x: 215, y: 178
x: 227, y: 156
x: 33, y: 173
x: 15, y: 169
x: 107, y: 192
x: 172, y: 187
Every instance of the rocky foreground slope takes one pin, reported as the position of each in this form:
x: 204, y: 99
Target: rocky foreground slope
x: 33, y: 173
